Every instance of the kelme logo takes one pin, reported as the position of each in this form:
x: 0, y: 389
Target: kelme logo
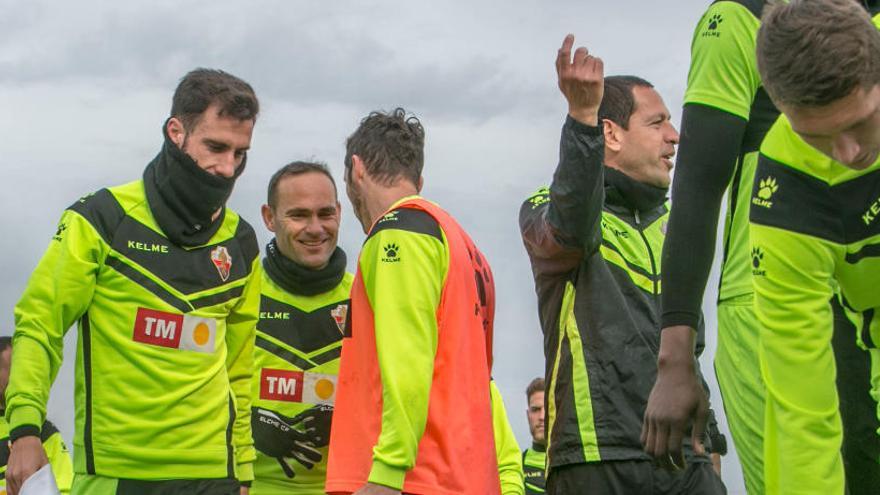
x: 767, y: 187
x: 59, y: 231
x: 222, y: 260
x: 713, y: 25
x: 872, y: 212
x: 392, y: 253
x: 757, y: 258
x: 541, y: 197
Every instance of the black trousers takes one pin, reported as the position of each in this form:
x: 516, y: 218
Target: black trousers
x: 633, y: 478
x: 179, y: 487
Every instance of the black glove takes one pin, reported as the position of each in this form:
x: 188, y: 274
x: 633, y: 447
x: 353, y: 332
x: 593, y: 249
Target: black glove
x: 316, y: 422
x: 277, y: 436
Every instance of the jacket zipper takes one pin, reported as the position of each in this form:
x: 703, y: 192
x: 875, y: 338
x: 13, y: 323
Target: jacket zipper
x: 650, y: 252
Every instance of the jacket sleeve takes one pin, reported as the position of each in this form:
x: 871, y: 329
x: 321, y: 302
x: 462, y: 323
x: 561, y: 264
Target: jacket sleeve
x: 59, y: 458
x: 396, y: 265
x: 722, y: 84
x: 510, y: 470
x: 240, y: 333
x: 560, y: 224
x: 57, y: 295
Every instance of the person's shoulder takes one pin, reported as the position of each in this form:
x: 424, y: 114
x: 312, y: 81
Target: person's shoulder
x: 412, y: 220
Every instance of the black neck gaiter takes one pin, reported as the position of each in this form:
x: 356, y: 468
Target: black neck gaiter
x: 297, y: 279
x: 183, y: 197
x: 622, y: 190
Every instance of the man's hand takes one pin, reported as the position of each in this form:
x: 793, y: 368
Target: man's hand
x: 245, y: 490
x: 25, y: 458
x: 677, y: 399
x: 582, y: 82
x: 373, y: 489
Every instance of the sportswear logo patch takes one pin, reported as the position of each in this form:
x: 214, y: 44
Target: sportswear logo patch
x: 541, y: 197
x: 60, y: 230
x: 767, y: 187
x: 389, y: 217
x: 712, y: 27
x: 757, y: 258
x: 339, y: 314
x: 175, y: 331
x: 222, y: 260
x: 392, y: 253
x: 297, y: 386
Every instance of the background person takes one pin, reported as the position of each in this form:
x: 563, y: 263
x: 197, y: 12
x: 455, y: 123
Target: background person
x: 53, y: 444
x: 534, y: 458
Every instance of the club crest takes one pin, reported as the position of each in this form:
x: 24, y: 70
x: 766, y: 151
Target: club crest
x: 222, y: 261
x: 339, y: 314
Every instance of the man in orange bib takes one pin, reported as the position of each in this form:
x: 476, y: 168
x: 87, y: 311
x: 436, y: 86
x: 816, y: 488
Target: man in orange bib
x: 413, y: 411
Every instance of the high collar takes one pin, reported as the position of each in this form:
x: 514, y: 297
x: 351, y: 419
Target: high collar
x: 622, y: 190
x: 297, y: 279
x: 539, y: 447
x: 183, y: 197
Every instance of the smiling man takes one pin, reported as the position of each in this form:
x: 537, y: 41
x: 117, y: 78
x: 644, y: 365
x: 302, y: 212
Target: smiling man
x: 162, y: 280
x: 303, y: 309
x: 814, y: 227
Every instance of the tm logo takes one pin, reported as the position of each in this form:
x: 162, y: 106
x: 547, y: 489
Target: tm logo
x: 767, y: 187
x: 757, y: 258
x: 392, y: 253
x: 712, y: 28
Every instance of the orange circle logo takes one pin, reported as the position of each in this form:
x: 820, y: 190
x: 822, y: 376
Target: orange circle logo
x: 201, y: 334
x: 324, y: 388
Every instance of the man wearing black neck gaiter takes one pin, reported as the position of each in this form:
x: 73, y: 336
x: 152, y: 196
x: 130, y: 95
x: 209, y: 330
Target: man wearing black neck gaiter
x: 594, y: 240
x: 304, y: 304
x: 162, y: 280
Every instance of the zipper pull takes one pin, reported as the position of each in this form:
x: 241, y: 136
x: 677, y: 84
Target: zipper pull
x: 638, y: 222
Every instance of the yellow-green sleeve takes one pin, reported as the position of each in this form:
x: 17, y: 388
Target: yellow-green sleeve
x: 403, y: 274
x: 59, y: 458
x: 510, y: 470
x: 723, y: 72
x: 240, y: 333
x: 56, y: 296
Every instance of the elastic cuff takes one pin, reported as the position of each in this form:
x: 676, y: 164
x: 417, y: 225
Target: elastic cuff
x: 24, y: 416
x: 24, y: 431
x: 581, y: 127
x: 245, y: 472
x: 676, y: 318
x: 385, y: 475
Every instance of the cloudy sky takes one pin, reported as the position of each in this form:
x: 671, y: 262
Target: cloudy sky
x: 85, y: 87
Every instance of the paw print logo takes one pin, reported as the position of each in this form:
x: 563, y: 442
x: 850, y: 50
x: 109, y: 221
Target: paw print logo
x: 766, y: 187
x: 757, y: 256
x: 714, y: 21
x: 392, y: 252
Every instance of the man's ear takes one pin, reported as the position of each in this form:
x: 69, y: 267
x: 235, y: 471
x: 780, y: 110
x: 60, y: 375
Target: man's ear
x: 268, y: 217
x: 612, y: 133
x: 176, y: 131
x: 358, y: 169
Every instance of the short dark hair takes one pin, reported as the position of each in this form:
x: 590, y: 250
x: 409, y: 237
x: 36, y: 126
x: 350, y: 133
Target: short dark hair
x: 201, y: 88
x: 5, y: 342
x: 294, y: 169
x: 618, y: 102
x: 811, y: 53
x: 536, y: 385
x: 392, y: 145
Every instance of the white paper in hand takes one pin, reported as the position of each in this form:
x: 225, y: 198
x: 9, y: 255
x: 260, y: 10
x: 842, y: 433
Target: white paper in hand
x: 40, y: 483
